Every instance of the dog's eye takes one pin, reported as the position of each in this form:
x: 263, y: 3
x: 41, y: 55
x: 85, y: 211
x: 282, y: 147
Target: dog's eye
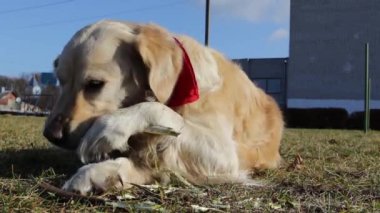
x: 94, y: 85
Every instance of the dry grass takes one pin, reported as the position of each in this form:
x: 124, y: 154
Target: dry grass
x: 323, y: 171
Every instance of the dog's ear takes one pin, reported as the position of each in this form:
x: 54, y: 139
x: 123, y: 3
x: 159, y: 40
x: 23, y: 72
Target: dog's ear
x: 162, y: 57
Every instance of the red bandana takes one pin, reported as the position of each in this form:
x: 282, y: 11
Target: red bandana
x: 186, y: 89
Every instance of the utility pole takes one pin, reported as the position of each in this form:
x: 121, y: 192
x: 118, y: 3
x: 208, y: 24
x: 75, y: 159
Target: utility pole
x: 207, y: 21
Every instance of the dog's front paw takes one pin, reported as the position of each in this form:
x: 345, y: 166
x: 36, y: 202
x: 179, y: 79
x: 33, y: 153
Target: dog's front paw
x: 106, y: 135
x: 111, y: 132
x: 95, y: 178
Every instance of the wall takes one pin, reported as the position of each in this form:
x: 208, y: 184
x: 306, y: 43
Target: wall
x: 326, y: 67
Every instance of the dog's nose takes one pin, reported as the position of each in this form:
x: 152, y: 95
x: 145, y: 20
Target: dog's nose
x: 54, y: 129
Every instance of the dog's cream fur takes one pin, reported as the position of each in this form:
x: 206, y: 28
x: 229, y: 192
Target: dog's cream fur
x: 234, y: 127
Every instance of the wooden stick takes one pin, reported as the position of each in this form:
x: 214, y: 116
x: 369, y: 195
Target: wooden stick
x: 69, y: 195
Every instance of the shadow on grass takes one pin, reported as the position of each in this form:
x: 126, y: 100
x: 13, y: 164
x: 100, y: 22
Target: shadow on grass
x: 28, y: 163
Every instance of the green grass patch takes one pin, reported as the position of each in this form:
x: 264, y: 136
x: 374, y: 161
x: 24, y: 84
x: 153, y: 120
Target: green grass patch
x: 322, y: 171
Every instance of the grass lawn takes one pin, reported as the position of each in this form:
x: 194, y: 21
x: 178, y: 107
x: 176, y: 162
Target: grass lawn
x: 323, y: 171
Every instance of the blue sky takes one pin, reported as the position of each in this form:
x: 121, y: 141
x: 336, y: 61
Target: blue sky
x: 34, y: 32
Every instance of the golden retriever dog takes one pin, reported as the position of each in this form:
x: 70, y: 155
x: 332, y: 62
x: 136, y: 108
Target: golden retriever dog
x: 119, y: 79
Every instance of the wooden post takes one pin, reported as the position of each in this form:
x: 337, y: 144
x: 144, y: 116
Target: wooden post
x: 367, y: 92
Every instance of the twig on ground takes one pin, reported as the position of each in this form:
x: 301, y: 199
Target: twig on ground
x: 69, y: 195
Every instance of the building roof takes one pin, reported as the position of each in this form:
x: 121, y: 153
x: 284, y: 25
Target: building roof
x: 3, y: 94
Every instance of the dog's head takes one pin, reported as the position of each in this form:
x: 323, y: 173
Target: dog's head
x: 107, y: 66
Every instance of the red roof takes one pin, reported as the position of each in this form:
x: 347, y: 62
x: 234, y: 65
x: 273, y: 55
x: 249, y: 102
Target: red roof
x: 6, y: 96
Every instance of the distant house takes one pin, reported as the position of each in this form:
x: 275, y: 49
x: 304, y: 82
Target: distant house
x: 7, y: 99
x: 8, y: 103
x: 40, y: 81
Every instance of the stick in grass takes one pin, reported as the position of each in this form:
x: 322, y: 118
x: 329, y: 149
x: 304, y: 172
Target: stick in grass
x: 69, y: 195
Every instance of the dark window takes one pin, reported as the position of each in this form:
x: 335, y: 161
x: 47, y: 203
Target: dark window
x: 269, y: 85
x: 273, y: 86
x: 262, y: 83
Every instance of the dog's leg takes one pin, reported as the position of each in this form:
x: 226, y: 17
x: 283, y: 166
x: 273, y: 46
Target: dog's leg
x: 205, y: 152
x: 112, y: 131
x: 106, y: 175
x: 197, y: 154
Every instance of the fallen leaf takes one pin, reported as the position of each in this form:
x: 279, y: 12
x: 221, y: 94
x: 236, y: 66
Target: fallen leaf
x: 221, y: 206
x: 296, y: 164
x: 170, y: 190
x: 149, y: 205
x: 126, y: 196
x: 257, y: 202
x: 204, y: 209
x: 199, y: 208
x: 332, y: 141
x: 274, y: 206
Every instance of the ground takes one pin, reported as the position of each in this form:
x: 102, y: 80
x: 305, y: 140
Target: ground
x: 322, y: 171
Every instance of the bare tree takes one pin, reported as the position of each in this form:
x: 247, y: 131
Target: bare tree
x: 17, y: 85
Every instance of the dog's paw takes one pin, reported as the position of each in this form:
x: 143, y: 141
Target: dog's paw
x: 95, y: 178
x: 106, y: 135
x: 111, y: 132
